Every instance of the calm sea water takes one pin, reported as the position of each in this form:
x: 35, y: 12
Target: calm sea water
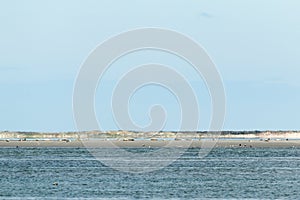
x: 225, y: 173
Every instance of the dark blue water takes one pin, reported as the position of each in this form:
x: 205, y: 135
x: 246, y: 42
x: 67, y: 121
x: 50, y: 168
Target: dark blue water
x: 225, y: 173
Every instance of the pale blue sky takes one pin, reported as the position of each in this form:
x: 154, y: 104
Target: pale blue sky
x: 255, y: 45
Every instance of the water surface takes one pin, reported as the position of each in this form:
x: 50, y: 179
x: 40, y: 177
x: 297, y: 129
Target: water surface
x: 225, y: 173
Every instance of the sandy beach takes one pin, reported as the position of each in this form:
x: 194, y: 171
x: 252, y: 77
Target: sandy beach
x: 148, y: 143
x: 116, y: 139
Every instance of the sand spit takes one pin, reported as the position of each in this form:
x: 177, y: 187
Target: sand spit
x: 152, y: 144
x: 131, y: 134
x: 246, y: 139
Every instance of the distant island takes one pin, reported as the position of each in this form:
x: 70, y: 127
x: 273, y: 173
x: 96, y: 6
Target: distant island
x: 161, y: 134
x: 113, y: 139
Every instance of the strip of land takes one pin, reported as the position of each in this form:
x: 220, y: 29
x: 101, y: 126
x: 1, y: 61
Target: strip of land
x: 124, y: 139
x: 152, y: 144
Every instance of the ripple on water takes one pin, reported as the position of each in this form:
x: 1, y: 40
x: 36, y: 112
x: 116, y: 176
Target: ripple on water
x: 224, y: 173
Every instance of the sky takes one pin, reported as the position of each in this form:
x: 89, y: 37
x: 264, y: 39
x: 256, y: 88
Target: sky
x: 254, y: 44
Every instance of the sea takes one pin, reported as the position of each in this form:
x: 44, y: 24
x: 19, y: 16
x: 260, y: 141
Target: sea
x: 225, y: 173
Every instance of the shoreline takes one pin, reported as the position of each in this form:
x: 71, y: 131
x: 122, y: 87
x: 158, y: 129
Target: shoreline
x: 159, y: 135
x: 220, y: 143
x: 130, y: 139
